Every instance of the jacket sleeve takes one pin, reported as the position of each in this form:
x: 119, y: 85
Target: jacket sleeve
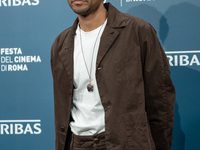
x: 159, y: 89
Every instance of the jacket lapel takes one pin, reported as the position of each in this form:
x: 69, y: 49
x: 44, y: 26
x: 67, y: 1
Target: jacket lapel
x: 110, y: 34
x: 107, y: 40
x: 66, y: 53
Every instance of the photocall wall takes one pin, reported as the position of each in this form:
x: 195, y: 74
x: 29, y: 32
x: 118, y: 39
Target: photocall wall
x: 27, y: 31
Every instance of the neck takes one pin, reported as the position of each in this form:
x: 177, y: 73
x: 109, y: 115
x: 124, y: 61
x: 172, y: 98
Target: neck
x: 94, y: 20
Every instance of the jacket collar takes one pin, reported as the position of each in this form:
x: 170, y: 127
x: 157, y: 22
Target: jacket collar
x: 115, y: 17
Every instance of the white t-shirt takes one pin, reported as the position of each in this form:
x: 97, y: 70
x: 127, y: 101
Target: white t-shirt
x: 87, y: 110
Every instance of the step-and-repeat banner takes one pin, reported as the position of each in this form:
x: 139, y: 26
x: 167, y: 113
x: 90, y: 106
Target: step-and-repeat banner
x: 27, y: 31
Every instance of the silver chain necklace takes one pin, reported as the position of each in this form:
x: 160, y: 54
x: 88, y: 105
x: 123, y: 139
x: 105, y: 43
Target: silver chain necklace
x: 90, y: 86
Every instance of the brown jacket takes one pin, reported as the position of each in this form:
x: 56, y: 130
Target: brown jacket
x: 134, y: 83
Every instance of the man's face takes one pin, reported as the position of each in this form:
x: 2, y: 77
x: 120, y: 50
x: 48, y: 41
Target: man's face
x: 84, y: 7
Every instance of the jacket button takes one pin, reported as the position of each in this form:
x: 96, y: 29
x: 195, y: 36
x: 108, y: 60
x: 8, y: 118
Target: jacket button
x: 96, y: 140
x: 99, y: 68
x: 62, y: 129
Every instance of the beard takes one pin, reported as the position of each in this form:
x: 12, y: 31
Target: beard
x: 82, y: 12
x: 87, y: 8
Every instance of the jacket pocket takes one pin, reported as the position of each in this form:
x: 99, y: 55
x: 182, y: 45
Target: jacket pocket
x: 138, y: 131
x: 128, y: 64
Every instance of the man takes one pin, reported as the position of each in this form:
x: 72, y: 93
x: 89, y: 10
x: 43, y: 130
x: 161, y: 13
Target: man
x: 112, y: 85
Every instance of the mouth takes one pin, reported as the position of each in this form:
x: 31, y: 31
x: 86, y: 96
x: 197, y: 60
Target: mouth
x: 78, y: 2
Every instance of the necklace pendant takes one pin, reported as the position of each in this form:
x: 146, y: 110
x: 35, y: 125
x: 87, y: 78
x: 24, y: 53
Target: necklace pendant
x: 90, y: 87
